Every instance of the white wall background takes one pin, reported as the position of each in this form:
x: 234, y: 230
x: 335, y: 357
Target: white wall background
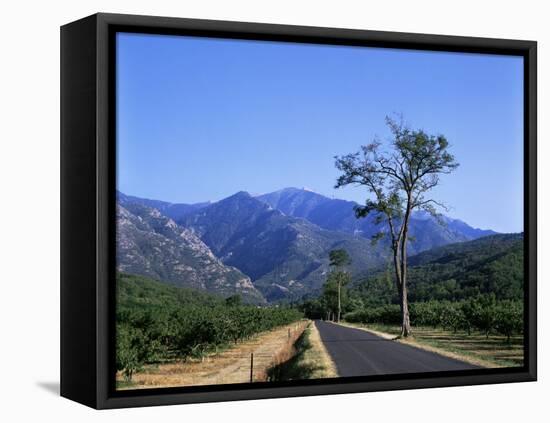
x: 29, y: 209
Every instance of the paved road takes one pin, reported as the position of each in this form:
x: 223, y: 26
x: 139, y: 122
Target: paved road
x: 356, y: 352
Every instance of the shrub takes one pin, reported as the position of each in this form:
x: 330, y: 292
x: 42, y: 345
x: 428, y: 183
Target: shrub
x: 509, y: 318
x: 483, y: 313
x: 452, y: 317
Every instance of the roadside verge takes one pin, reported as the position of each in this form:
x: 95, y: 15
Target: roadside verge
x: 311, y: 360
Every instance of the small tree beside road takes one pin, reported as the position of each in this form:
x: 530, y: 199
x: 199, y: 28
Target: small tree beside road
x: 338, y: 260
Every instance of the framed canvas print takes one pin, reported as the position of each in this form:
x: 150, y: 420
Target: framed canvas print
x: 257, y: 211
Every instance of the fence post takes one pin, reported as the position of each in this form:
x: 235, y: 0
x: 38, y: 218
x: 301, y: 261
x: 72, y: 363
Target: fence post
x: 251, y: 367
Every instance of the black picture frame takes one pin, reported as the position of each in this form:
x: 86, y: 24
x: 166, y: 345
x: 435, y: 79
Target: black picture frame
x: 88, y: 208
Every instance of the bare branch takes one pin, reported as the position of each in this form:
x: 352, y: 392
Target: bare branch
x: 431, y: 201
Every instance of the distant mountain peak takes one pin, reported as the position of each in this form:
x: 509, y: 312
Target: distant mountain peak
x: 307, y: 189
x: 297, y: 190
x: 239, y: 194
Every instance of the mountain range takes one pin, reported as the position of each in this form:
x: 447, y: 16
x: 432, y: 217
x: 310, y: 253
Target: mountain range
x: 269, y: 247
x: 338, y: 215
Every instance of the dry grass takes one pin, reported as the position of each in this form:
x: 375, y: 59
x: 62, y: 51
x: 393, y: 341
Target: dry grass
x: 319, y: 356
x: 310, y: 360
x: 284, y: 354
x: 494, y: 352
x: 230, y: 366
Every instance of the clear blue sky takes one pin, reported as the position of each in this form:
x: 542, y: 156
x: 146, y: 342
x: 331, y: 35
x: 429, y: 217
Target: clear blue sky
x: 200, y: 119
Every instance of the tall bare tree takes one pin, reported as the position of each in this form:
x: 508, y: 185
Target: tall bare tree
x: 398, y: 180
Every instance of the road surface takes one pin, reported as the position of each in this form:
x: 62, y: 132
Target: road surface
x: 356, y: 352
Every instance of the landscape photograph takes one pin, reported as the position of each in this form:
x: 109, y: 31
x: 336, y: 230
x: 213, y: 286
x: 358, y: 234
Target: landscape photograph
x: 291, y: 212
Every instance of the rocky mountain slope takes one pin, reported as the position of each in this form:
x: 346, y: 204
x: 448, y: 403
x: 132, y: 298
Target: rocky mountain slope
x: 151, y: 244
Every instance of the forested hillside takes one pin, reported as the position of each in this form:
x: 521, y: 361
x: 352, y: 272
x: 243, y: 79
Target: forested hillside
x: 489, y: 265
x: 157, y: 323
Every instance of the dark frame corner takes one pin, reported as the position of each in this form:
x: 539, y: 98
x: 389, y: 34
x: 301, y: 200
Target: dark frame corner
x: 88, y: 201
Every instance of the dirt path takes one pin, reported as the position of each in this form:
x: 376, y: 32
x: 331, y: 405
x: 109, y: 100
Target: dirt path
x: 229, y: 366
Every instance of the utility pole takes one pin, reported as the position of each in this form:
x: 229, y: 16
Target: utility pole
x: 339, y: 298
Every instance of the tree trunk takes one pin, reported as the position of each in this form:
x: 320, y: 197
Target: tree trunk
x: 402, y: 291
x: 397, y: 267
x: 406, y: 322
